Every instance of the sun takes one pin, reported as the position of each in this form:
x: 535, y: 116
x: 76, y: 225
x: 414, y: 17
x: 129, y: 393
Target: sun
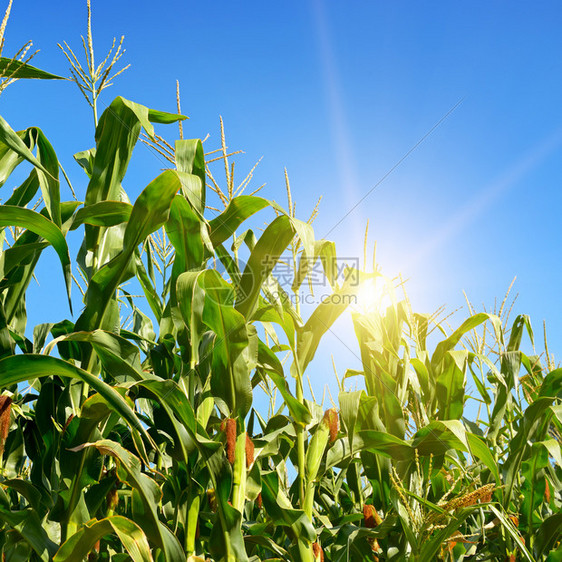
x: 373, y: 297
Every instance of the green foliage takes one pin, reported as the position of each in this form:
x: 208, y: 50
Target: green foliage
x: 142, y: 439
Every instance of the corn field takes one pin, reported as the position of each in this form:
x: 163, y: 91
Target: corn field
x: 131, y: 429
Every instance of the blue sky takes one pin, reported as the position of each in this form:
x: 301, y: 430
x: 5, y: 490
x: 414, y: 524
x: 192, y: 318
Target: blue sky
x: 339, y: 93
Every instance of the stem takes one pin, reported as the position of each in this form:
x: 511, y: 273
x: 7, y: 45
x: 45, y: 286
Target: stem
x: 300, y: 430
x: 235, y: 249
x: 305, y: 551
x: 301, y: 456
x: 314, y: 454
x: 66, y: 524
x: 191, y: 524
x: 309, y: 499
x: 239, y: 473
x: 95, y: 107
x: 191, y: 382
x: 305, y: 548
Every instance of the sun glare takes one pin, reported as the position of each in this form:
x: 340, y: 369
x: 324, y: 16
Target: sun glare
x: 373, y: 297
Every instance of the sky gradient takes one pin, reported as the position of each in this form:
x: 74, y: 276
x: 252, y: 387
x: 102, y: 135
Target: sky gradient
x: 340, y: 93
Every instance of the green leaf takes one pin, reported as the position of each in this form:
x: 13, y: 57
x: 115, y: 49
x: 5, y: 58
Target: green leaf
x: 181, y: 415
x: 17, y: 147
x: 26, y: 489
x: 104, y: 213
x: 553, y: 447
x: 280, y: 509
x: 13, y: 141
x: 426, y: 384
x: 149, y: 213
x: 116, y: 135
x: 321, y: 320
x: 85, y: 159
x: 261, y: 262
x: 520, y: 323
x: 13, y: 257
x: 49, y: 181
x: 481, y: 451
x: 164, y: 117
x: 185, y: 230
x: 175, y: 401
x: 268, y: 360
x: 190, y: 163
x: 23, y: 194
x: 439, y: 437
x: 14, y: 68
x: 149, y: 494
x: 20, y: 368
x: 466, y: 326
x: 552, y: 384
x: 79, y: 545
x: 147, y: 284
x: 450, y: 385
x: 547, y: 534
x: 384, y: 443
x: 237, y: 211
x: 230, y: 375
x: 533, y: 424
x: 37, y: 223
x: 18, y: 279
x: 325, y: 251
x: 191, y: 300
x: 118, y: 356
x: 269, y: 543
x: 508, y: 525
x: 26, y: 522
x: 305, y: 232
x: 227, y: 542
x: 349, y: 409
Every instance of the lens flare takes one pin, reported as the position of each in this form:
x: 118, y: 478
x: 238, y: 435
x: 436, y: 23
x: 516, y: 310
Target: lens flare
x: 373, y: 297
